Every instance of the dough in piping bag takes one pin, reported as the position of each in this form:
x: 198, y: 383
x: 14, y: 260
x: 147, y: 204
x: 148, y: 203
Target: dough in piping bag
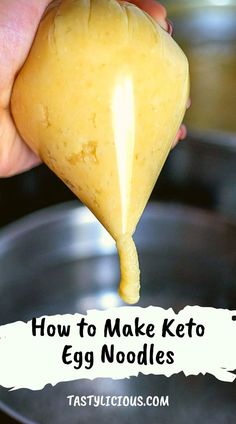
x: 100, y: 98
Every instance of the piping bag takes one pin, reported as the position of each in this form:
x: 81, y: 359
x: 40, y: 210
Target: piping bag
x: 100, y: 99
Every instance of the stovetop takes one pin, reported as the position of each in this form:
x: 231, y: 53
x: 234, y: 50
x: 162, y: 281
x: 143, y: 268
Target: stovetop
x: 39, y: 188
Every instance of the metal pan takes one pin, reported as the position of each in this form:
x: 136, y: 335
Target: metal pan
x: 61, y: 260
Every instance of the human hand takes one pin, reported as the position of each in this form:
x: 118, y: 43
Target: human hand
x: 19, y: 20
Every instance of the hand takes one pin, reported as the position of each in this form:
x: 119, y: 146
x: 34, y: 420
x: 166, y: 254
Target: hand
x: 19, y: 20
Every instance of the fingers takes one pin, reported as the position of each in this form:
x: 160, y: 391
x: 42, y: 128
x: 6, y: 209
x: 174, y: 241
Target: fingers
x: 170, y: 28
x: 15, y: 155
x: 19, y: 20
x: 181, y: 134
x: 156, y: 10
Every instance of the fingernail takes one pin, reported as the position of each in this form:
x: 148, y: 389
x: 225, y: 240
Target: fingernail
x: 183, y: 132
x: 170, y: 27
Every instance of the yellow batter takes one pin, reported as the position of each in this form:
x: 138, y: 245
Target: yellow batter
x: 100, y: 99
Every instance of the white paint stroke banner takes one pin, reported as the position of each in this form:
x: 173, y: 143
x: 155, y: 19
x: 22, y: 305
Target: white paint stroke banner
x: 118, y: 343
